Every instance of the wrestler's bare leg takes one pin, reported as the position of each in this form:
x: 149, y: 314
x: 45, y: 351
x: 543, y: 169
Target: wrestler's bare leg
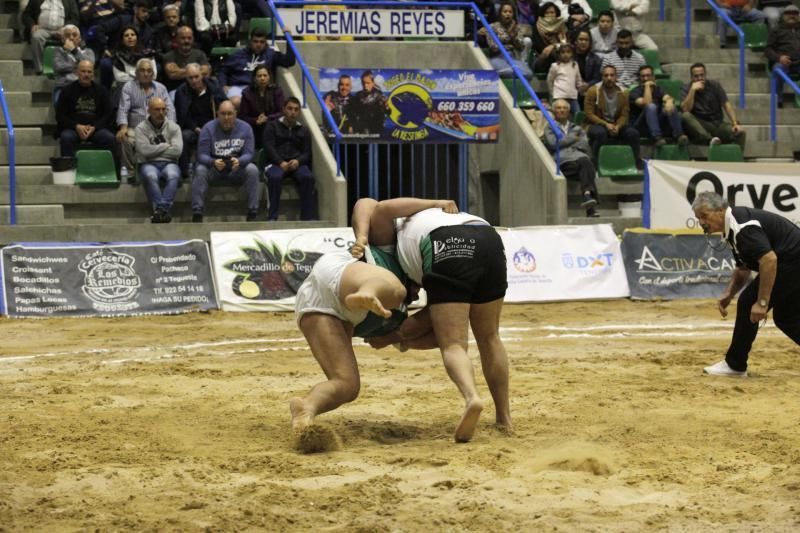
x: 485, y: 322
x: 365, y: 286
x: 331, y: 343
x: 450, y: 322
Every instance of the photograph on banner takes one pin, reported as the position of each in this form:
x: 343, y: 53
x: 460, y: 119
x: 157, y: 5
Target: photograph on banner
x: 676, y: 265
x: 553, y: 263
x: 344, y: 21
x: 413, y: 106
x: 262, y: 270
x: 672, y: 186
x: 67, y: 279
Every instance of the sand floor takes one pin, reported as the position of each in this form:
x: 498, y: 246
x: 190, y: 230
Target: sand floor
x: 181, y: 423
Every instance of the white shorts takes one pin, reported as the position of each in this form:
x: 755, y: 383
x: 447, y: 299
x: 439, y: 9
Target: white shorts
x: 319, y: 293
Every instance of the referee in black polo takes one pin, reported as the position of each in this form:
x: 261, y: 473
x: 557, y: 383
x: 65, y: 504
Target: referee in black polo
x: 768, y: 244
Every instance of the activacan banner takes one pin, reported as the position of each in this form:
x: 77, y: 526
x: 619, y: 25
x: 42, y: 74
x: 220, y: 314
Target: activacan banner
x: 671, y: 266
x: 563, y: 263
x: 334, y: 21
x: 673, y: 186
x: 67, y: 279
x: 413, y: 106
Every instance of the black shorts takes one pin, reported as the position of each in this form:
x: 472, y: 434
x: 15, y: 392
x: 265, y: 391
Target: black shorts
x: 465, y: 263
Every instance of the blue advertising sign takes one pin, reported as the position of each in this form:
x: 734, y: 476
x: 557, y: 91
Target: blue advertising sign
x: 413, y: 106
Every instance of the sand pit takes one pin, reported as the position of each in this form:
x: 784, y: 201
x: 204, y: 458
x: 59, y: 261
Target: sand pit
x: 182, y: 423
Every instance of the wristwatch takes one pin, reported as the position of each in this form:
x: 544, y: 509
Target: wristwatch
x: 763, y: 303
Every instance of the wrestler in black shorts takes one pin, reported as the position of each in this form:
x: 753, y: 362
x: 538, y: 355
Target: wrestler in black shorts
x: 464, y: 264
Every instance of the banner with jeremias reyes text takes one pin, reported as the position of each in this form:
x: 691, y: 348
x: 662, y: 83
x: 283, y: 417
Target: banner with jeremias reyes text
x: 413, y: 106
x: 262, y: 270
x: 550, y: 263
x: 673, y: 186
x: 670, y: 266
x: 333, y: 20
x: 115, y: 279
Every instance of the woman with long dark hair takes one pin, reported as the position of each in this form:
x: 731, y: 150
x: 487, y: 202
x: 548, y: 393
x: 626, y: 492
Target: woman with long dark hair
x: 551, y: 31
x: 262, y: 101
x: 589, y: 63
x: 130, y: 50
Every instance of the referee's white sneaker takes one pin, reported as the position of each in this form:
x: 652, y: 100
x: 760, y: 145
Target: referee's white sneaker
x: 722, y: 369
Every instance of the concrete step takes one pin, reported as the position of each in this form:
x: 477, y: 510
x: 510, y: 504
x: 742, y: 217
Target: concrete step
x: 6, y: 35
x: 675, y: 26
x: 10, y: 69
x: 9, y: 18
x: 31, y: 155
x: 34, y: 215
x: 679, y: 54
x: 11, y: 50
x: 714, y: 71
x: 122, y: 194
x: 607, y: 216
x: 25, y: 136
x: 32, y: 83
x: 18, y: 100
x: 28, y: 175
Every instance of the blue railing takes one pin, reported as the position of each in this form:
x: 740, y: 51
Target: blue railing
x: 12, y: 159
x: 773, y: 99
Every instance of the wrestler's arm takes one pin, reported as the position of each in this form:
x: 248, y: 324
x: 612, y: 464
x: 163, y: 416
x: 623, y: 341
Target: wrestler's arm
x: 362, y: 213
x: 416, y: 332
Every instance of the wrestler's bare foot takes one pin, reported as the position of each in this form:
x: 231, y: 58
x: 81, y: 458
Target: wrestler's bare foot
x: 469, y: 420
x: 301, y: 418
x: 370, y: 302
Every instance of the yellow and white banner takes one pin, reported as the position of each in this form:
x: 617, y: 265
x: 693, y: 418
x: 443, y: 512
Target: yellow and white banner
x: 549, y: 263
x: 673, y: 186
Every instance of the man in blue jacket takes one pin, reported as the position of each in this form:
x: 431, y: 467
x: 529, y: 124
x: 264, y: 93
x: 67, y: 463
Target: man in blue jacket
x: 196, y: 103
x: 287, y: 143
x: 225, y: 153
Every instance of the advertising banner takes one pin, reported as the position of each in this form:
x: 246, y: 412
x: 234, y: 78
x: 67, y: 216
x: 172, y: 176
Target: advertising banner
x: 334, y: 21
x: 671, y: 266
x: 673, y: 186
x: 66, y: 279
x: 262, y: 270
x: 552, y: 263
x: 413, y: 106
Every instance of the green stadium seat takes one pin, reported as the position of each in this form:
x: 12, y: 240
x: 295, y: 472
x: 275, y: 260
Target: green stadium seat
x: 261, y: 160
x: 524, y: 100
x: 47, y: 61
x: 672, y: 152
x: 264, y: 23
x: 618, y: 162
x: 579, y: 117
x: 755, y: 35
x: 731, y: 153
x: 598, y: 6
x: 96, y: 168
x: 652, y: 59
x: 221, y: 52
x: 672, y: 88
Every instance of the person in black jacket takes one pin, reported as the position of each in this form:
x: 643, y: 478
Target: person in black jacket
x: 84, y: 113
x: 41, y: 27
x: 768, y: 244
x: 288, y: 146
x: 196, y: 103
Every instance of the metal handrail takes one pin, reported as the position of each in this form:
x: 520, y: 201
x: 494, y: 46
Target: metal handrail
x: 12, y: 160
x: 727, y: 20
x: 773, y: 99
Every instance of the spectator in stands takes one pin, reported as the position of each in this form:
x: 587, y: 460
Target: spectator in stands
x: 110, y: 29
x: 564, y: 78
x: 653, y: 112
x: 43, y: 19
x: 288, y: 145
x: 158, y: 146
x: 237, y: 69
x: 127, y: 56
x: 225, y: 153
x: 84, y: 113
x: 783, y: 47
x: 368, y: 108
x: 607, y: 112
x: 604, y: 35
x: 196, y: 103
x: 66, y: 58
x: 262, y: 102
x: 550, y: 32
x: 625, y: 59
x: 575, y: 155
x: 526, y: 12
x: 255, y: 8
x: 215, y: 21
x: 489, y: 11
x: 336, y: 102
x: 773, y: 10
x: 133, y: 109
x: 94, y: 12
x: 589, y: 63
x: 738, y: 11
x: 176, y: 60
x: 629, y: 17
x: 577, y: 14
x: 165, y: 34
x: 515, y: 38
x: 703, y: 102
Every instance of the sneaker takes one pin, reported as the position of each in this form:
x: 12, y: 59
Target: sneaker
x: 197, y: 218
x: 714, y: 140
x: 660, y: 141
x: 683, y: 140
x: 156, y: 217
x: 722, y: 369
x: 588, y: 201
x: 592, y: 213
x: 124, y: 174
x: 252, y: 215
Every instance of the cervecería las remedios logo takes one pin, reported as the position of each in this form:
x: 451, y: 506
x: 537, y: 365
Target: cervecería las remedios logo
x: 409, y: 105
x: 110, y: 280
x: 524, y: 261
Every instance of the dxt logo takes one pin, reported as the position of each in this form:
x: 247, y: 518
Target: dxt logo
x: 599, y: 261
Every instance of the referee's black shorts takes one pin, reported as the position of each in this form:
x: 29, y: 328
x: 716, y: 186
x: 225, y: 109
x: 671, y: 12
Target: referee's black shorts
x: 467, y: 264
